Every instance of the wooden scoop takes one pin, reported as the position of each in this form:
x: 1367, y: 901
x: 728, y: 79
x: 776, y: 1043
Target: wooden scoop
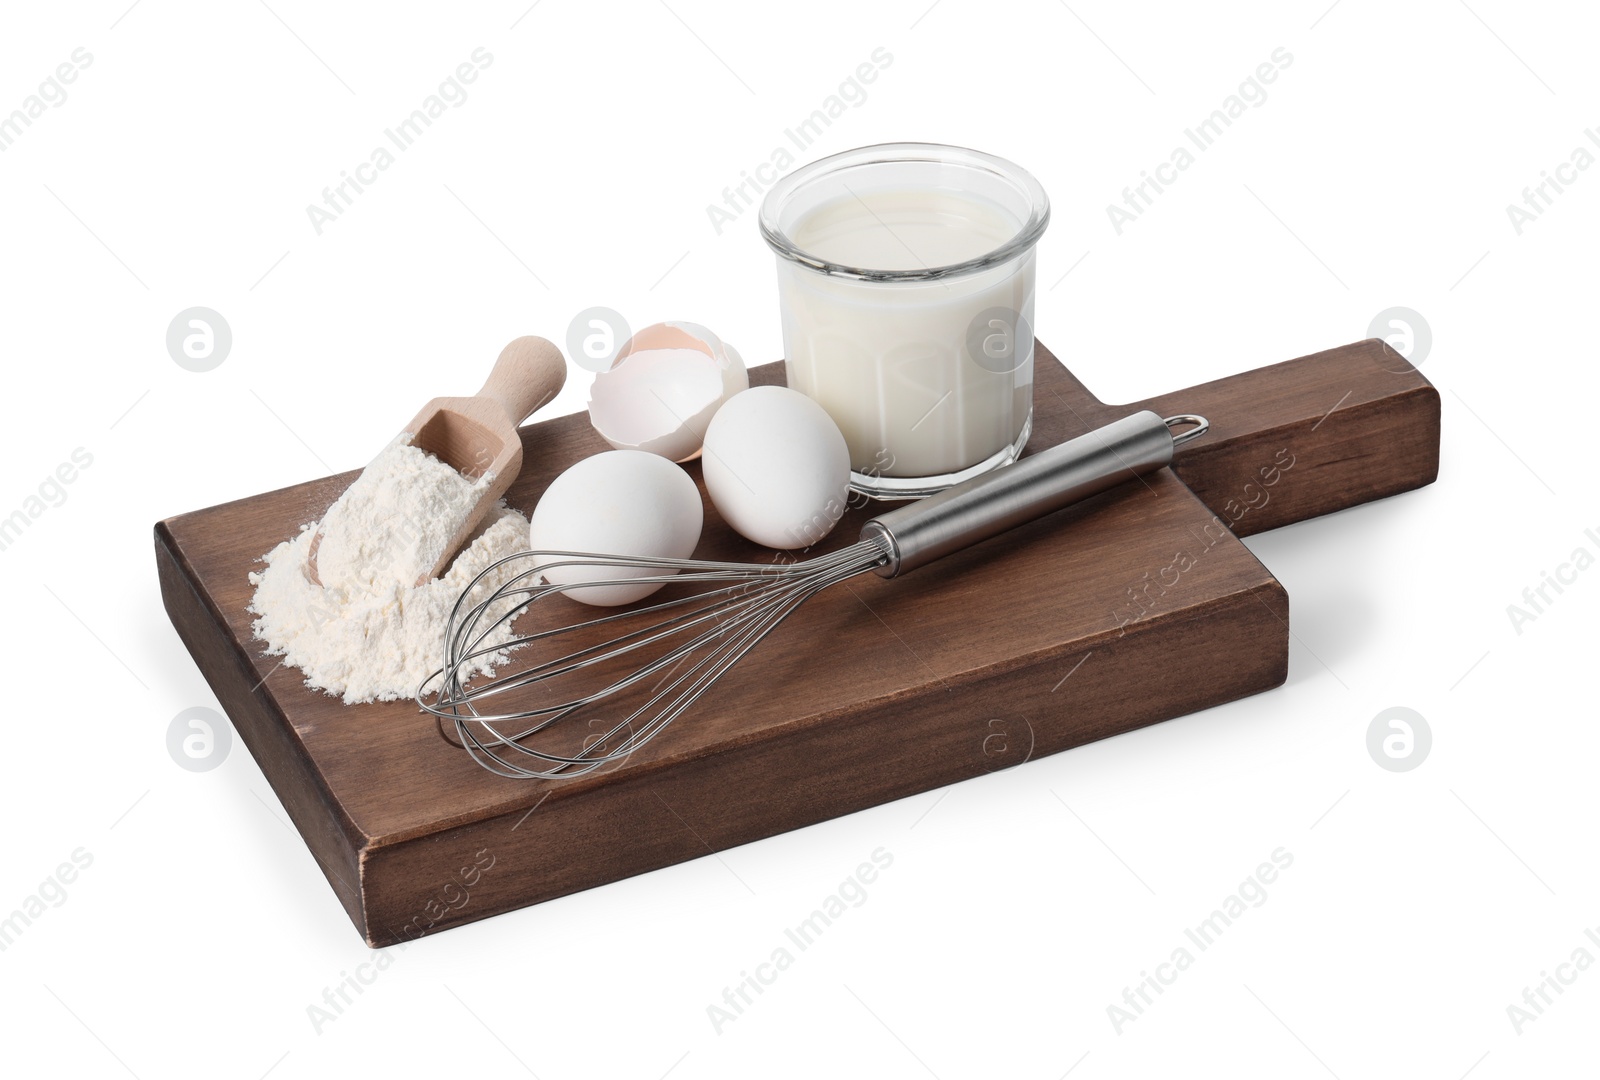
x: 478, y: 435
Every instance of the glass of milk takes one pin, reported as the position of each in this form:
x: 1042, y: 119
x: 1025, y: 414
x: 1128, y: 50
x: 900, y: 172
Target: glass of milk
x: 905, y: 280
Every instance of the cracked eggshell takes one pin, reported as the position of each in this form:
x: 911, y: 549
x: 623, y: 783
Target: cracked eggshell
x: 660, y: 393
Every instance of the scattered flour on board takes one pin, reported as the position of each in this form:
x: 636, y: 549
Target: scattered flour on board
x: 369, y: 633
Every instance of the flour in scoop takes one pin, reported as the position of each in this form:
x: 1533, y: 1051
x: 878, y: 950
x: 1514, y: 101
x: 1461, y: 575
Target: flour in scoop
x: 369, y: 632
x: 394, y: 521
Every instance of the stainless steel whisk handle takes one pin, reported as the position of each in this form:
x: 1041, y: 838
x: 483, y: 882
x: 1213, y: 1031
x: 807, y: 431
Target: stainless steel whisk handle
x: 1029, y: 488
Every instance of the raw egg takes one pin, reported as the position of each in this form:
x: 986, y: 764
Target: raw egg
x: 776, y: 467
x: 621, y: 502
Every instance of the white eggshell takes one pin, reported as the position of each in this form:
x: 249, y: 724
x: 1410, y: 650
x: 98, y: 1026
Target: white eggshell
x: 661, y: 391
x: 621, y: 502
x: 776, y: 467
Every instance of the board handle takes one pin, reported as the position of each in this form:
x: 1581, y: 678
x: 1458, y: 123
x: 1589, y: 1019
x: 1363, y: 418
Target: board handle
x: 529, y: 372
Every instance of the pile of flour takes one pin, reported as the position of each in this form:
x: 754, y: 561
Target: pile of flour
x: 369, y: 632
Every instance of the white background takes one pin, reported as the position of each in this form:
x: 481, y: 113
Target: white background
x: 1018, y: 907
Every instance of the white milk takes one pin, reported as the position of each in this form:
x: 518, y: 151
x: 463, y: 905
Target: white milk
x: 890, y: 361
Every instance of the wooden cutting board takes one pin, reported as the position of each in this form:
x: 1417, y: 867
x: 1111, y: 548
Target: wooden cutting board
x: 1137, y: 606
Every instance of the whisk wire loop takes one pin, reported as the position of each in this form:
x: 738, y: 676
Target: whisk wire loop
x: 693, y: 640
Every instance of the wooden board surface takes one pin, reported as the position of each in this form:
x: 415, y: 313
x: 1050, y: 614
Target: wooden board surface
x: 872, y: 691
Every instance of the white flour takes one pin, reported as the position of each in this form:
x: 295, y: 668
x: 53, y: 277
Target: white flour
x: 369, y: 633
x: 393, y: 523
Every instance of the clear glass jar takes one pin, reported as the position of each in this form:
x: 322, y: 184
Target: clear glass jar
x: 906, y: 285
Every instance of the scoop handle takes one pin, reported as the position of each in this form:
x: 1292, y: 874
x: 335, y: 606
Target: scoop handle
x: 529, y: 372
x: 1030, y: 488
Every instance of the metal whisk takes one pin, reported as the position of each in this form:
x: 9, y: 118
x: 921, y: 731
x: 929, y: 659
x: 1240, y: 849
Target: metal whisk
x: 729, y: 607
